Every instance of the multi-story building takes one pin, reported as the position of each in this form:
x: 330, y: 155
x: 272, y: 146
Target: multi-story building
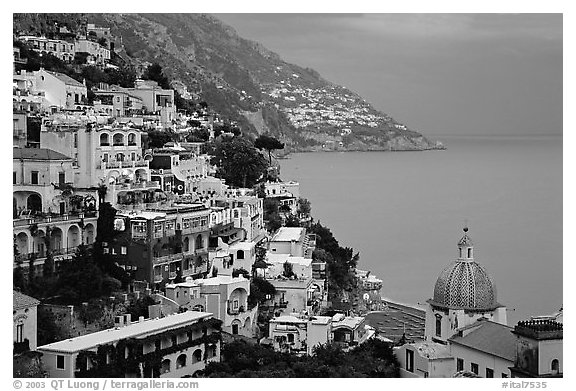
x: 539, y: 349
x: 159, y: 244
x: 177, y: 345
x: 48, y: 213
x: 293, y: 241
x: 64, y: 50
x: 60, y: 90
x: 179, y: 170
x: 247, y: 213
x: 99, y: 54
x: 19, y: 129
x: 155, y: 99
x: 485, y: 348
x: 118, y: 100
x: 425, y: 359
x: 290, y: 188
x: 105, y: 155
x: 26, y: 97
x: 24, y: 313
x: 224, y: 296
x: 300, y: 334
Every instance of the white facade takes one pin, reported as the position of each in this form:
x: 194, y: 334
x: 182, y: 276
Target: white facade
x: 60, y: 358
x: 224, y: 296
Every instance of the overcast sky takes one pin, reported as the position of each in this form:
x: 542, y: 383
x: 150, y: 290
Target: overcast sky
x: 437, y: 73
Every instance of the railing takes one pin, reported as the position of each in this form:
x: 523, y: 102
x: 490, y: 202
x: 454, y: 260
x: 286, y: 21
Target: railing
x: 190, y: 229
x: 52, y: 218
x: 167, y: 258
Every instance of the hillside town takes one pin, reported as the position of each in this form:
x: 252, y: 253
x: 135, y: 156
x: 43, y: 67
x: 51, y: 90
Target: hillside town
x: 154, y: 239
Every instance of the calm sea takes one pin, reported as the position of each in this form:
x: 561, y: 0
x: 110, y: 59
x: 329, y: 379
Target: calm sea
x: 404, y: 212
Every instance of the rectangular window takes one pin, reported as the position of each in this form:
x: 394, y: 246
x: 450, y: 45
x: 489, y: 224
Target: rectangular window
x: 474, y: 367
x: 13, y: 177
x: 459, y: 364
x: 123, y: 250
x: 489, y: 372
x: 235, y: 304
x: 105, y: 158
x: 75, y: 140
x: 20, y: 333
x: 61, y: 178
x: 409, y: 360
x: 60, y: 362
x: 34, y: 177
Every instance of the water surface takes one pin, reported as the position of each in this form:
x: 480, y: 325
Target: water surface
x: 404, y: 213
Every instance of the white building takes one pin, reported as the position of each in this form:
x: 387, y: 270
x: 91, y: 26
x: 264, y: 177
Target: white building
x: 293, y: 241
x: 186, y: 342
x: 300, y: 334
x: 60, y: 90
x: 64, y: 50
x: 224, y: 296
x: 24, y: 314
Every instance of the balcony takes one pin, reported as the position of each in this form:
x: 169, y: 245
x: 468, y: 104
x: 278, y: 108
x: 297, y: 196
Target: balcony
x: 71, y: 217
x: 167, y: 258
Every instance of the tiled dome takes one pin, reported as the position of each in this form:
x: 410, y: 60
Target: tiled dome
x: 465, y: 285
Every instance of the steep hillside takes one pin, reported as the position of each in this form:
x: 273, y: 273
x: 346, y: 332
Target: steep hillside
x: 245, y: 82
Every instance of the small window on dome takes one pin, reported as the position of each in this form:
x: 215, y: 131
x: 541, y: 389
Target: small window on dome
x: 470, y: 252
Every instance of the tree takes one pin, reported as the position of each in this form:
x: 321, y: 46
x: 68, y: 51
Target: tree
x: 157, y: 139
x: 238, y: 162
x: 260, y: 290
x: 304, y: 206
x: 48, y: 267
x: 154, y: 72
x: 198, y: 135
x: 268, y: 143
x: 292, y: 221
x: 18, y: 280
x: 288, y: 271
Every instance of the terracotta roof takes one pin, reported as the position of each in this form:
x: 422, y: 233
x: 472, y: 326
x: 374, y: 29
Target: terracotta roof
x: 66, y: 79
x: 20, y: 300
x: 38, y: 154
x: 489, y: 337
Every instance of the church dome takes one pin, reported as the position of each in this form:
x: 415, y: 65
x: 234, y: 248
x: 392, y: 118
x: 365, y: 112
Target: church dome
x: 465, y: 284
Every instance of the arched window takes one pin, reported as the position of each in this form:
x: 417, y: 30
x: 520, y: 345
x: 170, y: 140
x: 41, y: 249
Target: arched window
x: 181, y: 361
x: 104, y: 140
x: 131, y: 139
x: 199, y: 242
x: 555, y: 366
x: 438, y: 325
x: 118, y: 139
x: 196, y: 356
x: 166, y: 366
x: 240, y: 254
x: 186, y: 244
